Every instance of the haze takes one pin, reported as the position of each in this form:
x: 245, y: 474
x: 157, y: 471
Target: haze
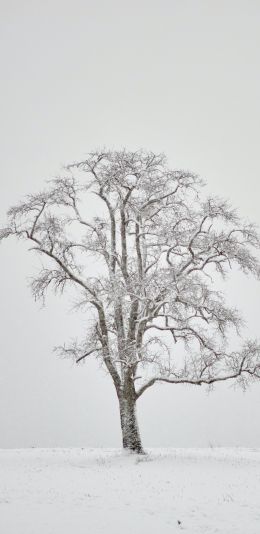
x: 180, y: 77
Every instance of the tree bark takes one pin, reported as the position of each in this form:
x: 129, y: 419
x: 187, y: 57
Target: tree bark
x: 129, y: 425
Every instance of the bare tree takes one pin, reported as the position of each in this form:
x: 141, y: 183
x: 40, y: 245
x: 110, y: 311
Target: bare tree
x: 160, y: 247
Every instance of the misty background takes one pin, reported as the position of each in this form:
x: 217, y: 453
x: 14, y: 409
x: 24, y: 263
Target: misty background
x: 177, y: 76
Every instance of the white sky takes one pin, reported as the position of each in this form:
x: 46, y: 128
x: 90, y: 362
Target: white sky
x: 176, y: 76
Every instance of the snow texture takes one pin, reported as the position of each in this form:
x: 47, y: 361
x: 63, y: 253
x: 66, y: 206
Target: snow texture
x: 105, y: 491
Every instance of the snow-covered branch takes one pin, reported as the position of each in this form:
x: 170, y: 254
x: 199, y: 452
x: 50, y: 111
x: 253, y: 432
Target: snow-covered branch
x: 159, y: 245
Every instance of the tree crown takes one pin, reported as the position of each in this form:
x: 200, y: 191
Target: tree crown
x: 158, y: 245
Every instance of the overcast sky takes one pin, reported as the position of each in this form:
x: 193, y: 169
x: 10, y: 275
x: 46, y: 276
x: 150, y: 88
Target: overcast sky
x: 176, y: 76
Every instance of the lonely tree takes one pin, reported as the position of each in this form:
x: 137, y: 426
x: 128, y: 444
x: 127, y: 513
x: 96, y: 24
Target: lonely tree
x: 158, y: 247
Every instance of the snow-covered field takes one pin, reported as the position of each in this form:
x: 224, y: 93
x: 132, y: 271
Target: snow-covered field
x: 101, y: 491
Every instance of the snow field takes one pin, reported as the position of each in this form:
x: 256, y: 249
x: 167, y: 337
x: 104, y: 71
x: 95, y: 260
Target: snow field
x: 105, y: 491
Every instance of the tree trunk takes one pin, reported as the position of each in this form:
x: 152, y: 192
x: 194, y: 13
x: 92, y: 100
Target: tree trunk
x: 129, y: 426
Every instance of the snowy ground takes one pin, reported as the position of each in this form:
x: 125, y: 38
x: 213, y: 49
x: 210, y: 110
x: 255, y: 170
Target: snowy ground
x: 92, y: 491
